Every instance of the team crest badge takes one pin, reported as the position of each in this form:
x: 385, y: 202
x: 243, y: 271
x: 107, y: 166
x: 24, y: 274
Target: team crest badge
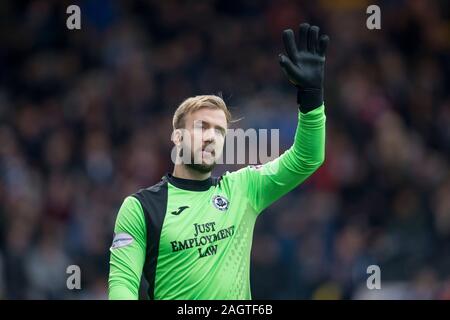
x: 220, y: 203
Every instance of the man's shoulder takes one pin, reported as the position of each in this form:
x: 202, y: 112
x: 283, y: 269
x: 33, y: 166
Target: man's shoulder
x: 237, y: 175
x: 243, y: 170
x: 151, y: 191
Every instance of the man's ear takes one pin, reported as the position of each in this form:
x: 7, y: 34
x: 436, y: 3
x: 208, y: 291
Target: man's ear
x: 177, y: 137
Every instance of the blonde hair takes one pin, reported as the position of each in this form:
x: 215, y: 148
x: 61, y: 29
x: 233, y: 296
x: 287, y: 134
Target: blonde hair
x: 198, y: 102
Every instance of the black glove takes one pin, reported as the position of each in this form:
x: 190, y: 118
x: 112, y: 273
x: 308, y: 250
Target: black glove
x: 305, y: 64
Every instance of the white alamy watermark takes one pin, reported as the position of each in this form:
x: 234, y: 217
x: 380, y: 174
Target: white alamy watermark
x: 73, y: 21
x: 374, y: 280
x: 74, y: 280
x: 374, y: 20
x: 250, y: 146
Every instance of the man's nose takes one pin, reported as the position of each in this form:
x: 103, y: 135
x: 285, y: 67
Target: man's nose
x: 209, y: 135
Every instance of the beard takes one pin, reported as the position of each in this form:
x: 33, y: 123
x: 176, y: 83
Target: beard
x: 199, y: 167
x: 202, y: 168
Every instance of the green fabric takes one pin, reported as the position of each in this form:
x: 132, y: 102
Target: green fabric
x: 204, y: 252
x: 126, y: 263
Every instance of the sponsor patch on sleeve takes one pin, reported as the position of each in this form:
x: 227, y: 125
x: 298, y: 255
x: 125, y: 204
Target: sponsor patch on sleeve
x: 121, y: 240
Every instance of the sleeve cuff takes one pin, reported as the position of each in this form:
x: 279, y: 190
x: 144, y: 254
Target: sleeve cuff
x: 315, y: 118
x: 309, y: 99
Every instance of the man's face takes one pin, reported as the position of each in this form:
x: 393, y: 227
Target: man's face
x: 203, y: 138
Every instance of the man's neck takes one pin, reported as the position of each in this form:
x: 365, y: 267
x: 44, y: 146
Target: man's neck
x: 184, y: 172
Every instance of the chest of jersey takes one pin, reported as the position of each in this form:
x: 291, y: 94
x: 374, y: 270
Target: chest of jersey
x: 204, y: 245
x: 196, y: 222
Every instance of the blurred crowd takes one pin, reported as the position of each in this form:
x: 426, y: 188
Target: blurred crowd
x: 85, y: 120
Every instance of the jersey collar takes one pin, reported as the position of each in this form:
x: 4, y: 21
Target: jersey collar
x: 188, y: 184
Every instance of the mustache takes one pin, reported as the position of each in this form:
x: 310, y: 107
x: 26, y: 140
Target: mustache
x: 209, y: 148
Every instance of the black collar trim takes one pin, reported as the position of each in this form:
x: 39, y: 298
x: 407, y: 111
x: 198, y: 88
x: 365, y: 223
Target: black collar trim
x: 188, y: 184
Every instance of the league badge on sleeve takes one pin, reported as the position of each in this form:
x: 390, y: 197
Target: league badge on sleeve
x: 121, y: 240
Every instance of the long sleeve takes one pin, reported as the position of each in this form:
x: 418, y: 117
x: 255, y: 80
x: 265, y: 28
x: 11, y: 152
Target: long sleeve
x: 127, y: 251
x: 267, y: 183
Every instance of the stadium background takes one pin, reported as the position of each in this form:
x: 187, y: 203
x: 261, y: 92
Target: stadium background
x: 85, y: 120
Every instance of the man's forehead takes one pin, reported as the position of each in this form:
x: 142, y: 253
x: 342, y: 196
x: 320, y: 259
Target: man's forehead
x: 212, y: 116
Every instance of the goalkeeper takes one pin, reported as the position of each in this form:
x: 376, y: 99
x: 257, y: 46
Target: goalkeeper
x: 190, y: 235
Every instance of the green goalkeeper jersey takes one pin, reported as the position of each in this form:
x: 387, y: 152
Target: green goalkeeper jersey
x: 192, y: 239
